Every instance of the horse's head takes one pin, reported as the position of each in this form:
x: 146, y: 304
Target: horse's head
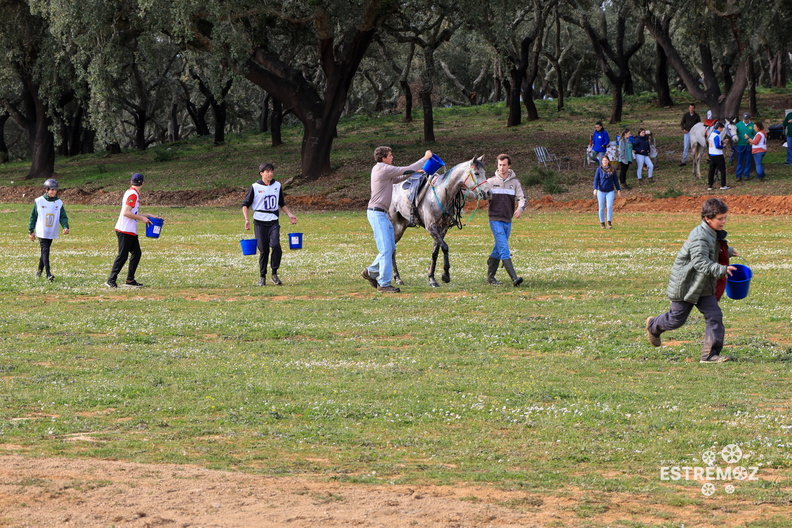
x: 730, y: 131
x: 476, y: 179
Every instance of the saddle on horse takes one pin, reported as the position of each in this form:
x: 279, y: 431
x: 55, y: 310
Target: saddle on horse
x: 415, y: 187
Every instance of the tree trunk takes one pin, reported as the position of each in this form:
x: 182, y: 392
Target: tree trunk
x: 316, y: 145
x: 662, y: 86
x: 408, y: 101
x: 220, y: 116
x: 264, y: 117
x: 617, y: 101
x: 3, y: 145
x: 174, y: 123
x: 275, y: 122
x: 140, y: 129
x: 42, y: 144
x: 426, y: 94
x: 752, y: 106
x: 515, y: 110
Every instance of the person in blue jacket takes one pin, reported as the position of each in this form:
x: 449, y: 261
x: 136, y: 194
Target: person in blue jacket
x: 600, y: 140
x: 606, y: 186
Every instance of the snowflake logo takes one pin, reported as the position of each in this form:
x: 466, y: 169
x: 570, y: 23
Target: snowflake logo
x: 740, y: 473
x: 731, y: 454
x: 708, y: 457
x: 729, y: 489
x: 708, y: 489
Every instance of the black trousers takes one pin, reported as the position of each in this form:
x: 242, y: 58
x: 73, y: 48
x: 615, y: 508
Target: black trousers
x: 717, y: 163
x: 268, y: 237
x: 623, y: 173
x: 44, y: 263
x: 128, y: 247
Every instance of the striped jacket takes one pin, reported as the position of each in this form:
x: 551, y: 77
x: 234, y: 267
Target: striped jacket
x: 506, y: 196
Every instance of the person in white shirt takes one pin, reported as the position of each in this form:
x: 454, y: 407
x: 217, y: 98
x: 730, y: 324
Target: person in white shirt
x: 48, y: 211
x: 126, y: 231
x: 266, y: 198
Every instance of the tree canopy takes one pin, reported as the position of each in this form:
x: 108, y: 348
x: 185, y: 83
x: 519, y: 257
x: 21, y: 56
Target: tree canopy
x: 133, y: 73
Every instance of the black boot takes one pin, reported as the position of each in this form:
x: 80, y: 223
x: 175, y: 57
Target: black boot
x: 507, y: 263
x: 492, y: 267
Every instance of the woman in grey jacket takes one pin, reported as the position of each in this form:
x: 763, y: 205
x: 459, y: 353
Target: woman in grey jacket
x: 693, y: 283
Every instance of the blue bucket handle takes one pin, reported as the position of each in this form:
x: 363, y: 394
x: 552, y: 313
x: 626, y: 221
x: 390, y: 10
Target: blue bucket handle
x: 747, y: 264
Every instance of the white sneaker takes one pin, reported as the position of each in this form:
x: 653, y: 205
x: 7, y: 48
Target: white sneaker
x: 725, y: 187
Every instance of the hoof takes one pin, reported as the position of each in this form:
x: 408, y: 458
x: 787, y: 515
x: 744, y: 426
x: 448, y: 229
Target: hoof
x: 433, y: 283
x: 399, y: 282
x: 445, y: 277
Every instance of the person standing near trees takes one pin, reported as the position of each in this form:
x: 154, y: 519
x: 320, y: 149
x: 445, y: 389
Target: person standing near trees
x: 600, y: 140
x: 759, y: 149
x: 642, y: 149
x: 48, y: 211
x: 717, y: 161
x: 383, y: 175
x: 265, y: 197
x: 694, y: 282
x: 126, y: 231
x: 745, y: 133
x: 788, y: 132
x: 606, y: 185
x: 689, y: 119
x: 507, y: 202
x: 625, y: 156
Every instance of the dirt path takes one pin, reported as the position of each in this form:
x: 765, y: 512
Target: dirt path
x: 57, y: 492
x: 738, y: 204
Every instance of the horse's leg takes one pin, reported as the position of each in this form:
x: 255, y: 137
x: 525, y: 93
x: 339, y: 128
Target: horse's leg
x: 433, y: 265
x: 399, y: 227
x: 446, y: 276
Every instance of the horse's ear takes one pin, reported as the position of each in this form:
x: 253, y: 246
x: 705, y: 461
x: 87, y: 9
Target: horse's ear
x: 481, y: 158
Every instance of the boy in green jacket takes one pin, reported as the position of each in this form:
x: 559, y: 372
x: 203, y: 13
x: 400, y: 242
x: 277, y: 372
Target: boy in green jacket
x: 693, y: 282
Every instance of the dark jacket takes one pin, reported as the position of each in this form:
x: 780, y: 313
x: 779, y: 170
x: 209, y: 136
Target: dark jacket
x: 696, y: 269
x: 606, y: 181
x: 641, y: 145
x: 689, y: 120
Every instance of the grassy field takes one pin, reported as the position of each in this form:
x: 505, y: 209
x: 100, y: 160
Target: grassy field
x: 544, y: 388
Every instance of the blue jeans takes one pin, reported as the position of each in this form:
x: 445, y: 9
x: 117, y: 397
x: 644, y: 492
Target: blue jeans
x: 641, y: 160
x: 685, y: 147
x: 382, y: 267
x: 758, y: 157
x: 501, y: 232
x: 605, y: 199
x: 789, y: 149
x: 743, y: 162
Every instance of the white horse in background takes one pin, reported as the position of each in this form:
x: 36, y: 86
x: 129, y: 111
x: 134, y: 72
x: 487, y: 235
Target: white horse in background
x: 698, y: 141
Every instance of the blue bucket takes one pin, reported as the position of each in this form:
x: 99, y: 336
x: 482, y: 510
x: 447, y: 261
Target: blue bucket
x: 154, y: 229
x: 433, y: 164
x: 295, y: 240
x: 740, y: 281
x: 248, y: 246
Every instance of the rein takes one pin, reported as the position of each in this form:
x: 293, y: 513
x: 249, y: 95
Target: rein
x: 459, y: 201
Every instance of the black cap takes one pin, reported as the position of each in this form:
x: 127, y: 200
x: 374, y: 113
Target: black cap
x: 137, y: 178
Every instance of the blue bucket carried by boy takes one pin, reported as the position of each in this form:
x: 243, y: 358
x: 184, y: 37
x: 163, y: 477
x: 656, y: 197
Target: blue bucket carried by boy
x: 295, y: 240
x: 738, y: 284
x: 154, y: 228
x: 249, y: 246
x: 433, y: 164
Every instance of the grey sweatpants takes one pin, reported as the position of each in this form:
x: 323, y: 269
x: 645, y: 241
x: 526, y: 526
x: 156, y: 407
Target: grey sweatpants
x: 678, y: 314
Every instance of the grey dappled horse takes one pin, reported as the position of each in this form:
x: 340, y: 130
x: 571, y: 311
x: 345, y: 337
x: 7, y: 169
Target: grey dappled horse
x: 438, y: 207
x: 698, y: 142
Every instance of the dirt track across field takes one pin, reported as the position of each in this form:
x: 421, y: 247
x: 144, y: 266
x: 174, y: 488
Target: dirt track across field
x: 58, y: 492
x: 738, y: 203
